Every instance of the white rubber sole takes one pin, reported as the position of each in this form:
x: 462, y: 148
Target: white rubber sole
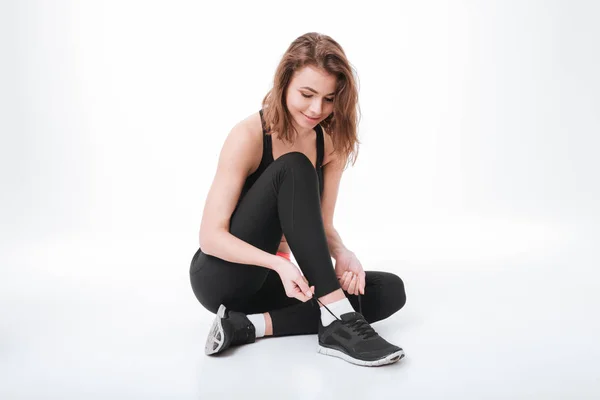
x: 390, y: 359
x: 216, y: 331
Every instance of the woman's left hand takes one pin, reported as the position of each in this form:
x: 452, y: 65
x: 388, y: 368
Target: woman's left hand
x: 350, y: 273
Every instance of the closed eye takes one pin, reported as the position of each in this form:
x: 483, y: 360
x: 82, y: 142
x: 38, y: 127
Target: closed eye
x: 330, y: 100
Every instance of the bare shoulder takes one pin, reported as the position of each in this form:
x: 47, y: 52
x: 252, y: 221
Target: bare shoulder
x: 250, y: 127
x: 246, y: 135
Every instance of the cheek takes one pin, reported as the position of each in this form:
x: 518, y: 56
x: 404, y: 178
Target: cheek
x: 296, y: 103
x: 328, y: 108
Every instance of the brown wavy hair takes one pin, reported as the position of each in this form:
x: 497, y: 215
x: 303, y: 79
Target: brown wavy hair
x: 322, y: 52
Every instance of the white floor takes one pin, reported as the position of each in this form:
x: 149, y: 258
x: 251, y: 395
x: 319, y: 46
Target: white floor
x: 92, y: 318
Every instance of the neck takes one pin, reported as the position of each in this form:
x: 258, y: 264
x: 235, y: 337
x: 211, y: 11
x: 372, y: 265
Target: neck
x: 304, y: 133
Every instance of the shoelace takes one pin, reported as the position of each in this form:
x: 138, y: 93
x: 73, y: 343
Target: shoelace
x: 334, y: 316
x: 360, y: 325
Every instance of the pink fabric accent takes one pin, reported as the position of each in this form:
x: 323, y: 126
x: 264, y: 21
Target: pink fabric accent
x: 284, y: 255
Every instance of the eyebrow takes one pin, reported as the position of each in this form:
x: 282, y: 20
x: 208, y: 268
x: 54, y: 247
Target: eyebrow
x: 314, y: 91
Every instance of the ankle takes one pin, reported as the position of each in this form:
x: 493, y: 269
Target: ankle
x: 268, y: 324
x: 335, y: 310
x: 260, y: 324
x: 332, y: 297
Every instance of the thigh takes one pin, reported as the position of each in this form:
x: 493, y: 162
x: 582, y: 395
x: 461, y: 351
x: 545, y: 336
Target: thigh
x: 271, y: 296
x: 216, y: 281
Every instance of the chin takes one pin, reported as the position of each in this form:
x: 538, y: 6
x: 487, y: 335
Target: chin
x: 303, y: 121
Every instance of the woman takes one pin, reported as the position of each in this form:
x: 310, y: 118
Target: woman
x: 274, y: 192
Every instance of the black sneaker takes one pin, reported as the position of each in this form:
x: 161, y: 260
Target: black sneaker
x: 229, y: 329
x: 351, y: 338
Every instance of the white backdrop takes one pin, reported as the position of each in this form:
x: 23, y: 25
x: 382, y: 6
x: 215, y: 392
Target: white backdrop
x: 479, y: 137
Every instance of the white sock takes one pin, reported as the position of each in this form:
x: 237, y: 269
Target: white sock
x: 338, y: 308
x: 258, y: 320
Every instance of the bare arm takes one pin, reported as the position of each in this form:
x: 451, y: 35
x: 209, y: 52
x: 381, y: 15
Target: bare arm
x: 334, y: 241
x: 332, y: 175
x: 235, y: 162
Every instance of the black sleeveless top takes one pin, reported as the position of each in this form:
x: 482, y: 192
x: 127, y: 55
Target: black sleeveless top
x: 267, y: 158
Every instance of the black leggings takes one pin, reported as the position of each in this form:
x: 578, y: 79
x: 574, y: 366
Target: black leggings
x: 285, y: 200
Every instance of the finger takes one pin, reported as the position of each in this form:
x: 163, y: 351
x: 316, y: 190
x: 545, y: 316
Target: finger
x: 312, y: 289
x: 363, y: 282
x: 298, y: 294
x: 349, y: 278
x: 343, y: 276
x: 303, y: 287
x: 342, y: 280
x: 301, y: 296
x: 356, y: 281
x: 347, y: 281
x: 352, y: 287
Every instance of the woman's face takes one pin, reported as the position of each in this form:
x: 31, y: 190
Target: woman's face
x: 310, y: 96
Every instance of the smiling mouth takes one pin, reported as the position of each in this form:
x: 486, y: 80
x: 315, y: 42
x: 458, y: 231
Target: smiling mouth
x: 310, y: 117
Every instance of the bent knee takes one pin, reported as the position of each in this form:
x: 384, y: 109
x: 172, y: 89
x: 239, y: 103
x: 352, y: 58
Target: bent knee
x: 295, y: 158
x: 398, y: 292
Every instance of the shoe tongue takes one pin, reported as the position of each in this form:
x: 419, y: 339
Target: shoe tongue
x: 350, y: 316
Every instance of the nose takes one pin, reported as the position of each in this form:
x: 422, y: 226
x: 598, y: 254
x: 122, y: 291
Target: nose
x: 315, y: 107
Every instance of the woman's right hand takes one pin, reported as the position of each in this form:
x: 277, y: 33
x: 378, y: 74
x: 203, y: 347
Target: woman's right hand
x: 294, y: 283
